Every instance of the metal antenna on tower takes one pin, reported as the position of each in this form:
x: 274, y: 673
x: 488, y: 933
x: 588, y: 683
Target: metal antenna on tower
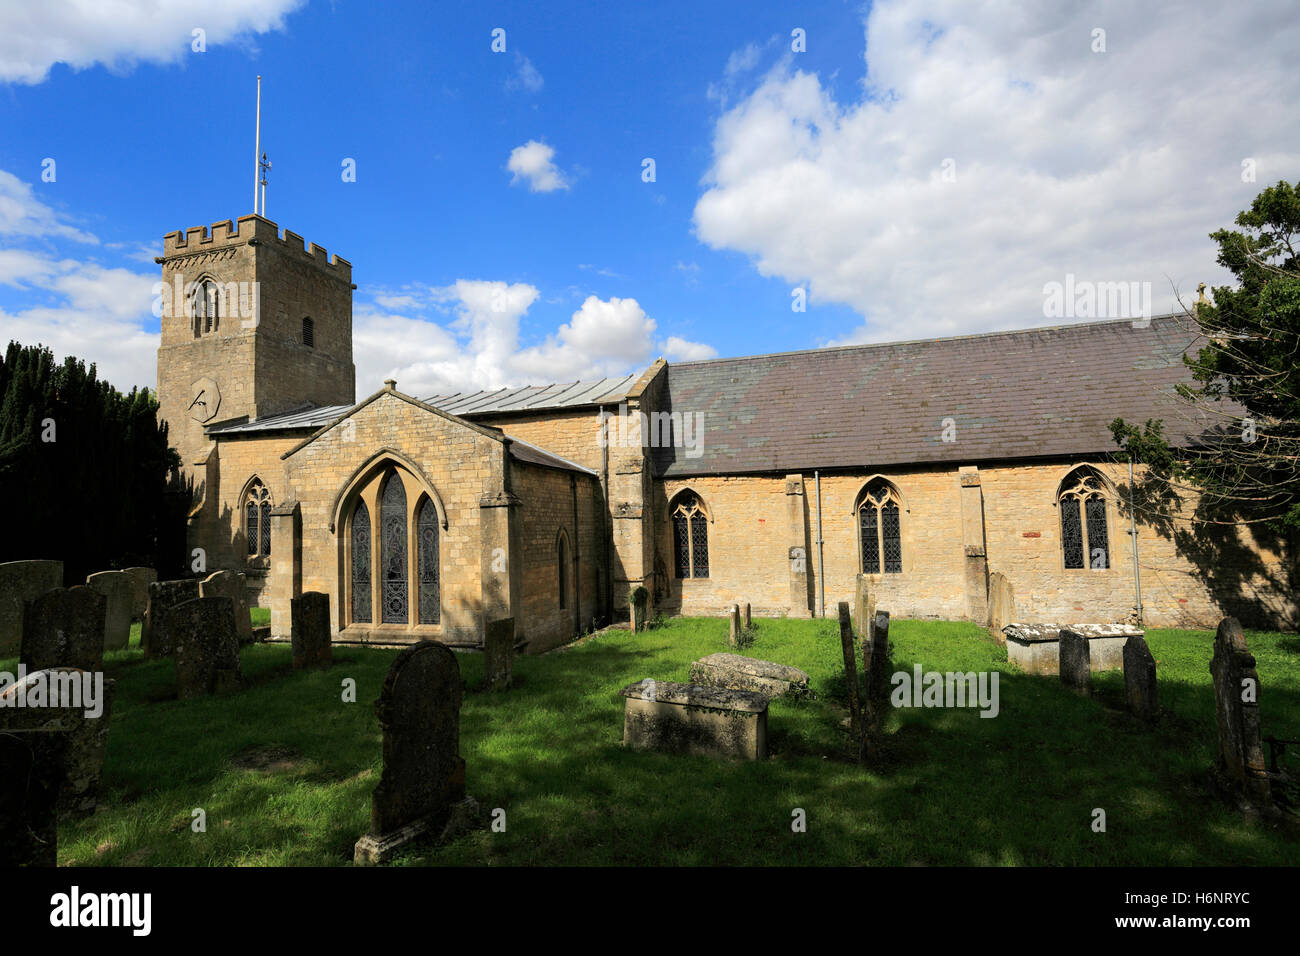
x: 265, y: 164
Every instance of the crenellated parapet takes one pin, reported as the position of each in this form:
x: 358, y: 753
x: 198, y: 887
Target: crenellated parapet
x: 250, y: 230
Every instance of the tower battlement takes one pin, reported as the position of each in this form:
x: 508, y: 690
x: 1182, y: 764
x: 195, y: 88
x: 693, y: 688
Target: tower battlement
x: 251, y: 230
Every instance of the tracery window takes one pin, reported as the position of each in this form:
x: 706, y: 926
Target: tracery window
x: 880, y: 529
x: 1085, y: 538
x: 205, y: 307
x: 690, y: 537
x: 257, y: 519
x: 393, y: 553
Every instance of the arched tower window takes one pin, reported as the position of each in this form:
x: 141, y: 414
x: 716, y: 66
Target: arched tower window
x: 426, y: 534
x: 690, y: 536
x: 392, y: 520
x: 205, y: 306
x: 1085, y: 538
x: 880, y: 528
x: 562, y: 568
x: 308, y: 333
x: 257, y: 519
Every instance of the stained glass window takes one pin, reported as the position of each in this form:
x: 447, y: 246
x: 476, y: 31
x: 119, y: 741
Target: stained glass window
x: 1085, y: 541
x: 691, y: 537
x: 257, y: 519
x: 392, y: 542
x: 426, y: 530
x: 880, y: 529
x: 250, y: 526
x: 361, y: 564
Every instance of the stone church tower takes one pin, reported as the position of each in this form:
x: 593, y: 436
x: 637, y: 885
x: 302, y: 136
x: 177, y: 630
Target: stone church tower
x: 252, y: 325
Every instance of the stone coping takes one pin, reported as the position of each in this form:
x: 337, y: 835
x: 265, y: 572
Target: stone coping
x: 1039, y: 633
x: 695, y: 695
x: 754, y: 667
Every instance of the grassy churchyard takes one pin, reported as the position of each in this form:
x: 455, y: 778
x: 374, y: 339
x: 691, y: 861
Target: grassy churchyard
x: 284, y: 769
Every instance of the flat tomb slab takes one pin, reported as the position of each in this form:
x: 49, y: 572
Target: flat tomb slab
x: 736, y: 672
x: 1036, y: 647
x: 693, y: 719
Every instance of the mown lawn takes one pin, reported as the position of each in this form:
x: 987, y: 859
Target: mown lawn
x: 284, y: 769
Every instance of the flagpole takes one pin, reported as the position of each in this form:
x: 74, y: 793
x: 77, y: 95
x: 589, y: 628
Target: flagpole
x: 257, y: 143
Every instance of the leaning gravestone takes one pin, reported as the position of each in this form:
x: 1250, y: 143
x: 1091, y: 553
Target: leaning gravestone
x: 1002, y: 605
x: 876, y: 669
x: 424, y: 775
x: 1140, y: 679
x: 1236, y: 694
x: 747, y: 620
x: 231, y: 584
x: 498, y: 653
x: 118, y: 594
x: 155, y: 633
x: 141, y: 578
x: 64, y: 628
x: 850, y: 670
x: 734, y: 637
x: 206, y: 647
x: 310, y: 630
x: 1076, y: 667
x: 20, y: 581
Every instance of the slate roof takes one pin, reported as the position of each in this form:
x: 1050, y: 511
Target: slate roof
x: 1036, y: 393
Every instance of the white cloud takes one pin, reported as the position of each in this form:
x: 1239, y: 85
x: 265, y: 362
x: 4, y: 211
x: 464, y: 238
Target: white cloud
x: 35, y: 36
x: 525, y: 76
x: 534, y: 162
x: 1111, y: 166
x: 680, y: 350
x: 23, y: 215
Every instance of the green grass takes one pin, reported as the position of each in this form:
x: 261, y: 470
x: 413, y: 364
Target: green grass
x: 284, y: 769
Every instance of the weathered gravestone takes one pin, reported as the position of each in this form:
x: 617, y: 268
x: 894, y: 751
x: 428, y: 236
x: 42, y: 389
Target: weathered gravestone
x: 1075, y: 662
x: 424, y: 775
x: 1002, y: 605
x: 736, y: 672
x: 498, y: 653
x: 877, y: 670
x: 734, y: 637
x: 864, y: 612
x: 20, y: 581
x: 694, y: 719
x: 119, y: 599
x: 1240, y: 763
x: 206, y: 647
x: 1140, y: 679
x: 155, y: 633
x: 64, y: 628
x: 141, y: 578
x: 639, y: 598
x: 850, y: 670
x: 231, y: 584
x: 30, y: 772
x: 747, y: 620
x: 310, y: 630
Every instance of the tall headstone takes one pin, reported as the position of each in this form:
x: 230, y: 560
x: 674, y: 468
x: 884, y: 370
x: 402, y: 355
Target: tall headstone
x: 155, y: 635
x: 206, y: 647
x: 309, y: 616
x: 141, y: 578
x: 498, y: 653
x: 1075, y: 662
x: 20, y: 581
x: 1240, y: 759
x: 747, y: 619
x: 1140, y: 679
x: 864, y: 609
x: 64, y: 628
x: 850, y: 670
x: 119, y: 597
x: 424, y: 775
x: 877, y: 669
x: 1002, y: 605
x: 733, y: 634
x: 640, y: 598
x: 231, y: 584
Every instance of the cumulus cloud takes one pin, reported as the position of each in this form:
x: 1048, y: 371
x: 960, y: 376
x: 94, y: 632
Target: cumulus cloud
x: 990, y: 151
x: 81, y: 33
x: 680, y: 350
x: 22, y: 215
x: 465, y: 337
x: 534, y: 163
x: 525, y: 76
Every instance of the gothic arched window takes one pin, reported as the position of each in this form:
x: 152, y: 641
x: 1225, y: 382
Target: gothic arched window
x: 257, y: 519
x: 392, y: 543
x: 205, y: 307
x: 1085, y: 539
x: 426, y: 534
x: 361, y: 564
x: 690, y: 537
x: 880, y: 529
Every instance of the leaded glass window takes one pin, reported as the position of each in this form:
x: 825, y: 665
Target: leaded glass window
x: 361, y: 564
x: 691, y: 537
x: 880, y: 529
x: 426, y: 531
x: 257, y: 519
x: 1085, y: 540
x: 392, y: 542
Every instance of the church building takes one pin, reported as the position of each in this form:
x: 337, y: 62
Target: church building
x: 773, y: 480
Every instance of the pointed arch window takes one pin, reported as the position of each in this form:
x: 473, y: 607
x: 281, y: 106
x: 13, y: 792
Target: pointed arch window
x: 690, y: 537
x: 205, y: 306
x: 426, y: 534
x: 880, y: 530
x: 1085, y: 536
x: 360, y: 542
x: 257, y: 519
x: 392, y: 520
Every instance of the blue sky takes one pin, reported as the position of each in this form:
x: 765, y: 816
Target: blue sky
x: 921, y: 168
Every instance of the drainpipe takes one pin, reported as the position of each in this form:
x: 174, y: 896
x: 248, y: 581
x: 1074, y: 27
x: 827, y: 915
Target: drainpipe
x: 1133, y: 531
x: 821, y: 577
